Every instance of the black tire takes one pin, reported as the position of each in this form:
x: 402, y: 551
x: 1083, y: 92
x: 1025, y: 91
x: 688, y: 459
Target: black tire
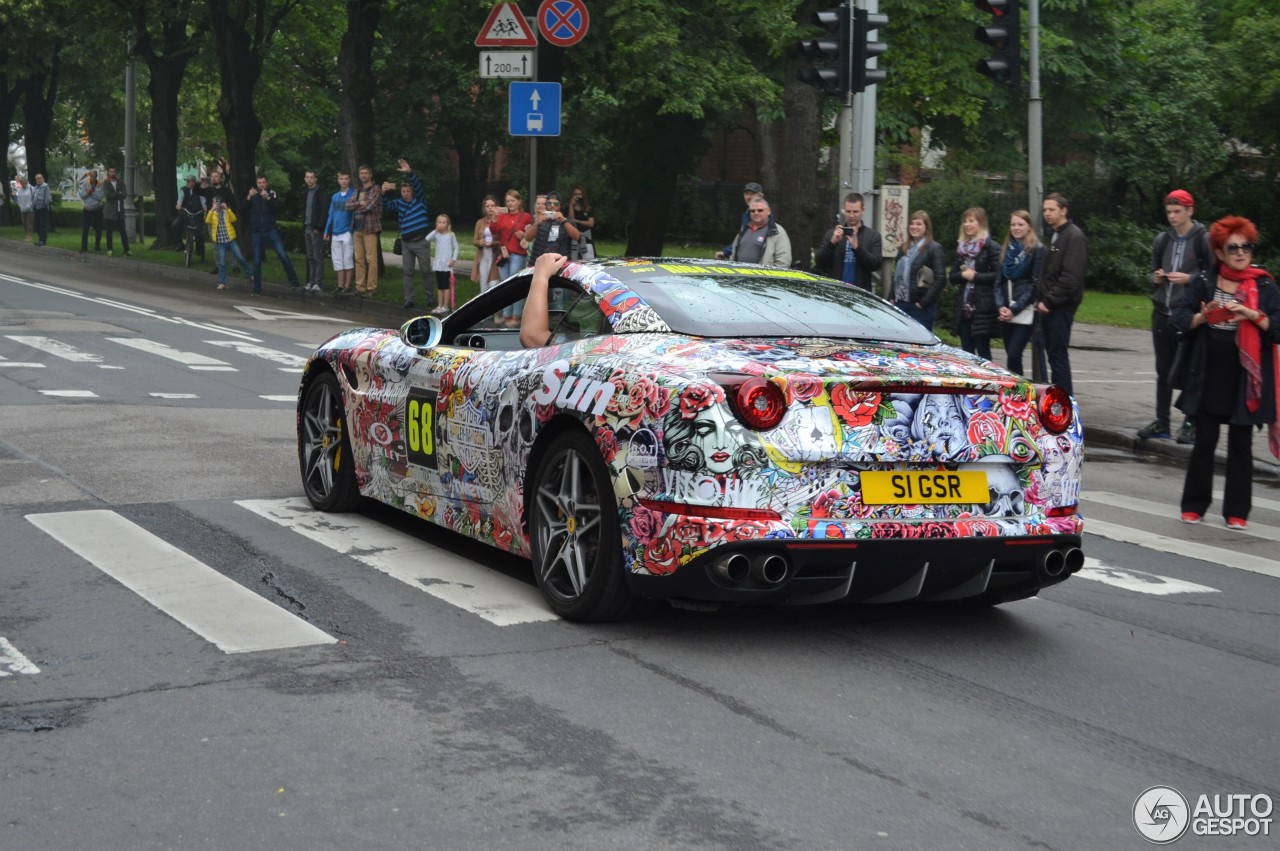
x: 324, y: 450
x: 190, y: 243
x: 573, y: 526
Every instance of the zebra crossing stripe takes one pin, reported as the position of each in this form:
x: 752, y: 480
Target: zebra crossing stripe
x: 197, y: 596
x: 458, y: 581
x: 1139, y: 580
x: 12, y: 661
x: 190, y: 359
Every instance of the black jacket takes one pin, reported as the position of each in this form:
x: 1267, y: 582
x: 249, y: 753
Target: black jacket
x: 931, y: 255
x: 319, y: 208
x: 1196, y: 258
x: 986, y: 267
x: 868, y: 256
x: 1200, y: 290
x: 1023, y: 287
x: 1061, y: 284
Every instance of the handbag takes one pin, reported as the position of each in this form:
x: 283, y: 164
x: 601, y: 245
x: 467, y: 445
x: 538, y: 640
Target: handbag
x: 924, y: 280
x: 396, y: 247
x: 1025, y: 316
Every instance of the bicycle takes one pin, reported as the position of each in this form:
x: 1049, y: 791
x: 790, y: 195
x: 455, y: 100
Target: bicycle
x: 194, y: 221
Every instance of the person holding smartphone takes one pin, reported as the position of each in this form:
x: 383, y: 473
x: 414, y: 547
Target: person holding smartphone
x: 1231, y: 319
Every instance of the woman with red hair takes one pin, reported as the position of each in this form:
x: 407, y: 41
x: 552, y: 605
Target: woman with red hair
x: 1231, y: 318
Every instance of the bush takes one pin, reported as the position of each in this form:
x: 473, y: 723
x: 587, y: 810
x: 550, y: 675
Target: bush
x: 1119, y: 255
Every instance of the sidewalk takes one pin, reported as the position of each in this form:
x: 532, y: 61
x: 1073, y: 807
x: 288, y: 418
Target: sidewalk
x: 1113, y: 369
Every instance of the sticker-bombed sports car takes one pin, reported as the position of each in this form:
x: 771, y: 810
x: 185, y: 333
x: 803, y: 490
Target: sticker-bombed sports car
x: 708, y: 432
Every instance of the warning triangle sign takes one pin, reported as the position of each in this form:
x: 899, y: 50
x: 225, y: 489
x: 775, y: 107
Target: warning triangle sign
x: 506, y: 27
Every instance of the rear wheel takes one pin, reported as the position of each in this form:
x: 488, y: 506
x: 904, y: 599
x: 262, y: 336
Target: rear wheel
x: 324, y: 449
x: 577, y: 551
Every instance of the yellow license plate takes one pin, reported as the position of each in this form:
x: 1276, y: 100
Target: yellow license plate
x: 882, y: 487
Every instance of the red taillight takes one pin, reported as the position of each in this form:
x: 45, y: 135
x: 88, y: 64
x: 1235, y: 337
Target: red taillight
x: 1063, y: 510
x: 759, y: 403
x: 1055, y: 409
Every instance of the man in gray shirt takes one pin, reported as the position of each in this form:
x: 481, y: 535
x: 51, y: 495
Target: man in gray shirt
x: 92, y: 193
x: 762, y: 240
x: 43, y: 202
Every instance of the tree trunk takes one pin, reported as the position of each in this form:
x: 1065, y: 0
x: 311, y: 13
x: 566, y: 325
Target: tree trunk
x: 240, y: 66
x: 355, y: 62
x: 660, y: 148
x: 39, y: 95
x: 168, y: 67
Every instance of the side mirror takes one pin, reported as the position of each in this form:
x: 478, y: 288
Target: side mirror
x: 422, y: 332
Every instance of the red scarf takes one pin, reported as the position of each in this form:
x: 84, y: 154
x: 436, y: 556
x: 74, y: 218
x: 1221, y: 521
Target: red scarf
x: 1249, y: 342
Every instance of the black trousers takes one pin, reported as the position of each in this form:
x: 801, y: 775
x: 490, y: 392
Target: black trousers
x: 1164, y: 339
x: 42, y: 225
x: 91, y: 218
x: 114, y: 225
x: 1057, y: 337
x: 1197, y: 488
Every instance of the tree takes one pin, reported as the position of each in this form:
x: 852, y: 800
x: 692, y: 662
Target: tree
x: 179, y: 28
x: 355, y: 61
x: 243, y: 32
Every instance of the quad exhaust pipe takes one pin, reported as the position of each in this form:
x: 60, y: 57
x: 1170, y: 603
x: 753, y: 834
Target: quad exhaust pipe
x: 736, y: 568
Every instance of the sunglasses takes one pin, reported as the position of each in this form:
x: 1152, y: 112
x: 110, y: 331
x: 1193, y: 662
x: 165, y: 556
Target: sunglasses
x: 553, y: 203
x: 1238, y: 247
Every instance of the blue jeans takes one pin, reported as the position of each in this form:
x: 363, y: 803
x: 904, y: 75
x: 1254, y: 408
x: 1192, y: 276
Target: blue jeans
x: 506, y: 269
x: 1016, y: 338
x: 220, y: 250
x: 271, y: 237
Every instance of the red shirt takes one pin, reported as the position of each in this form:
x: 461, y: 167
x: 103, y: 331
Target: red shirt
x: 509, y: 228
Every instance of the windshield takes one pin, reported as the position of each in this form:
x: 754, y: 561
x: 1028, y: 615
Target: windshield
x: 797, y: 305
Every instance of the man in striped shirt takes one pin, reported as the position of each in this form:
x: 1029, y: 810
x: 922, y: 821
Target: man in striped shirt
x: 411, y: 209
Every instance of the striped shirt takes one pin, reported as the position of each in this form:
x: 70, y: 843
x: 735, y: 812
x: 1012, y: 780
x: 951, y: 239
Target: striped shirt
x: 414, y: 222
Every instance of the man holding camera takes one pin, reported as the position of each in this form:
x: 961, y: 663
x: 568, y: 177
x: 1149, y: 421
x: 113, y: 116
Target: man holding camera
x: 262, y: 229
x: 851, y: 251
x: 555, y: 232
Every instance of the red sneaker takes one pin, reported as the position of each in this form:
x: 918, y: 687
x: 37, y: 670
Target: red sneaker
x: 1237, y: 523
x: 1190, y: 517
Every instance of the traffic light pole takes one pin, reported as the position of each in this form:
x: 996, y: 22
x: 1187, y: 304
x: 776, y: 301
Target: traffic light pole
x: 862, y: 162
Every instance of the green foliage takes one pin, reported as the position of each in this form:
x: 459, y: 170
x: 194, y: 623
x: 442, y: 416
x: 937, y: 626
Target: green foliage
x: 1119, y: 255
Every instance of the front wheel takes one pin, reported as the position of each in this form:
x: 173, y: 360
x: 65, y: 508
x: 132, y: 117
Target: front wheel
x: 190, y: 243
x: 324, y: 449
x: 577, y: 551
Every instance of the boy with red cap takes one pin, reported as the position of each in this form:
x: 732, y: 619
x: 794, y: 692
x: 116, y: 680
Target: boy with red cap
x: 1178, y: 256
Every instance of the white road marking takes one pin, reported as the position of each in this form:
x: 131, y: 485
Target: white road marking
x: 1170, y: 512
x: 174, y: 395
x: 71, y: 394
x: 197, y: 596
x: 292, y: 362
x: 1139, y: 580
x: 12, y: 661
x: 267, y: 314
x: 56, y: 348
x: 20, y: 364
x: 1256, y: 501
x: 190, y: 359
x: 293, y: 398
x: 1177, y: 546
x: 493, y: 596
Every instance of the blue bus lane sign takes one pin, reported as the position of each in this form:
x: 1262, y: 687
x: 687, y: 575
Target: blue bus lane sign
x: 534, y: 109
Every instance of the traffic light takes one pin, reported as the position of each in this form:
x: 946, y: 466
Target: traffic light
x: 864, y: 23
x: 1005, y: 63
x: 832, y: 50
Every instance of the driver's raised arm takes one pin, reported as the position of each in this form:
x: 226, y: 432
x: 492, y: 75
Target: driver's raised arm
x: 535, y: 322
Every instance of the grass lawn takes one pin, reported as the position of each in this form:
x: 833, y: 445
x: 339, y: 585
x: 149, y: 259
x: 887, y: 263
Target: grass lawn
x: 1128, y: 310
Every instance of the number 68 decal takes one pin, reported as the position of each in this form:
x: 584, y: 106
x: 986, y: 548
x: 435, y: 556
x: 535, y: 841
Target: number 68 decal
x: 420, y: 415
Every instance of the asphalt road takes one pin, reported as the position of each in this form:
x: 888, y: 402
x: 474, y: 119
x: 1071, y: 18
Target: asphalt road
x: 421, y: 698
